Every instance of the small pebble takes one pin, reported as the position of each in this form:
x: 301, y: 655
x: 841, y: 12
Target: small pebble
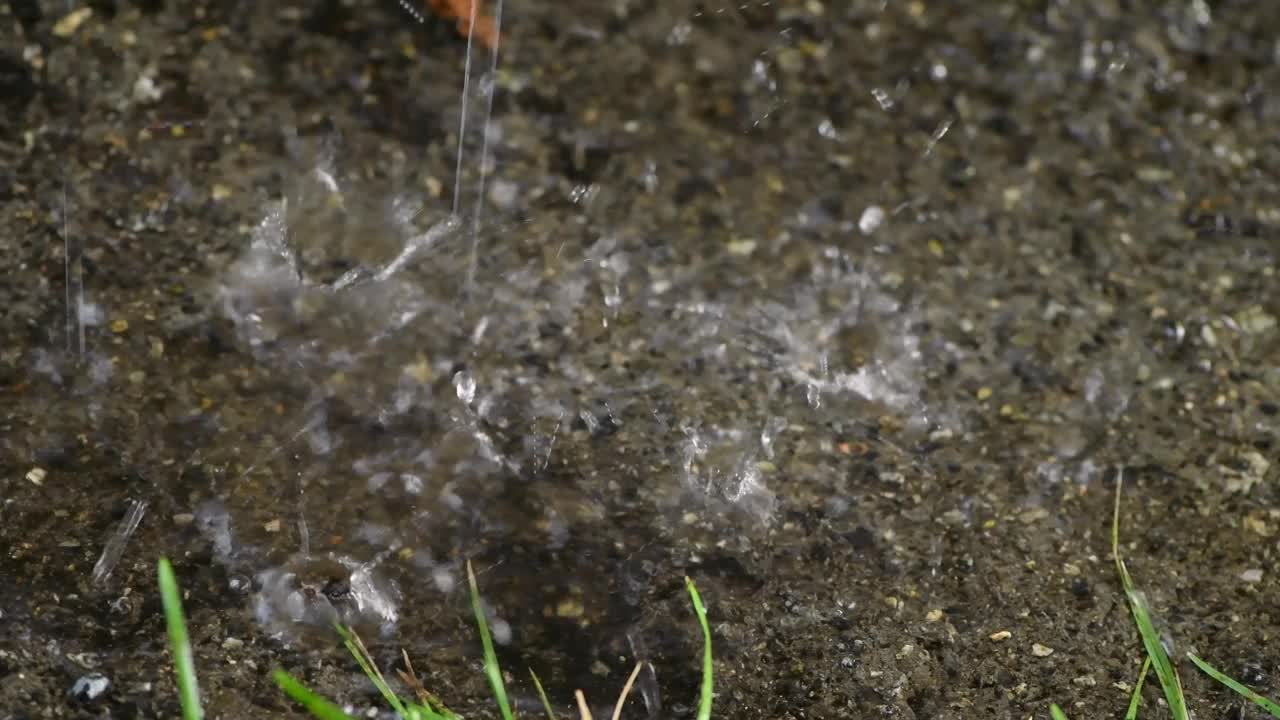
x: 1001, y: 636
x: 933, y: 616
x: 1041, y: 650
x: 37, y: 475
x: 570, y: 608
x: 1253, y: 575
x: 120, y: 326
x: 69, y: 23
x: 88, y: 688
x: 872, y: 218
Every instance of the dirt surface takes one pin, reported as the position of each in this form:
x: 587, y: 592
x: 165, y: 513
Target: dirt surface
x: 852, y: 312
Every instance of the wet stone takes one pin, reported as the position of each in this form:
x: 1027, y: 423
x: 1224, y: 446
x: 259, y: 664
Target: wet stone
x: 89, y: 688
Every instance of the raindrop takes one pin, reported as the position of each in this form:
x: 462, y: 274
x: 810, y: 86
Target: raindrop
x: 814, y: 395
x: 882, y: 97
x: 650, y: 177
x: 679, y: 34
x: 465, y: 386
x: 938, y: 133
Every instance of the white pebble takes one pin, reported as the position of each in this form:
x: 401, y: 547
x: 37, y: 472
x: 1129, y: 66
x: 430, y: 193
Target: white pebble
x: 872, y: 218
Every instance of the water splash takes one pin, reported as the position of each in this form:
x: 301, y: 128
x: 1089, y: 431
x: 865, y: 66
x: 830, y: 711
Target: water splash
x: 312, y: 592
x: 726, y: 465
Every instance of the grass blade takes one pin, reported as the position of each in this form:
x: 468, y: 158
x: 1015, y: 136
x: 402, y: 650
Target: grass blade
x: 704, y: 704
x: 1165, y: 670
x: 1244, y: 692
x: 542, y: 695
x: 626, y: 691
x: 316, y: 705
x: 426, y: 705
x: 426, y: 712
x: 1136, y: 698
x: 357, y: 649
x: 1056, y: 712
x: 491, y: 669
x: 180, y: 644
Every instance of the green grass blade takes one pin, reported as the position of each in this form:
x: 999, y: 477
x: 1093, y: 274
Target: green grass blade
x: 426, y: 712
x: 358, y: 651
x: 1056, y: 712
x: 491, y: 669
x: 316, y: 705
x: 1244, y: 692
x: 704, y: 704
x: 1136, y: 698
x: 183, y: 662
x: 542, y: 695
x: 1165, y: 670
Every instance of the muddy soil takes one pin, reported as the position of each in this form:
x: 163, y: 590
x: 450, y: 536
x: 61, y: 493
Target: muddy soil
x: 851, y: 312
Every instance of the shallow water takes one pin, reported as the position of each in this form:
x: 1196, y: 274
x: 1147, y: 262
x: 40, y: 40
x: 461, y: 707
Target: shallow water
x: 850, y: 313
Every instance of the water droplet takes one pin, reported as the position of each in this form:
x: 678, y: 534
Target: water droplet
x: 650, y: 177
x: 882, y: 97
x: 465, y: 386
x: 679, y: 34
x: 814, y: 395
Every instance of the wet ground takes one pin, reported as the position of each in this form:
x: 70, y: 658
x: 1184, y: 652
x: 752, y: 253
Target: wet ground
x: 852, y: 312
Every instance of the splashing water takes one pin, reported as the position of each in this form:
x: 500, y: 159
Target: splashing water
x: 451, y: 399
